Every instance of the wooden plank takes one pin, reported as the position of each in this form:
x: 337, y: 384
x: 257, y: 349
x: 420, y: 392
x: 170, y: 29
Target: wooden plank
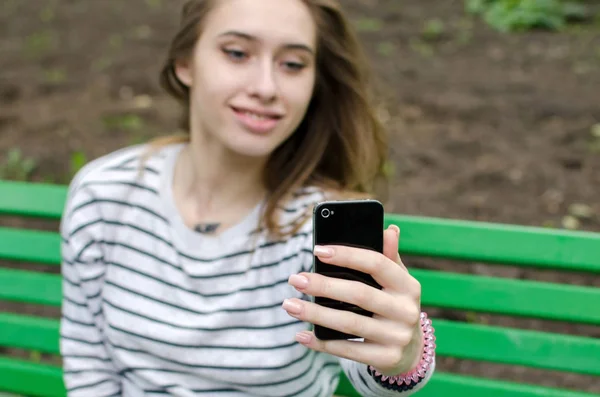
x: 523, y: 298
x: 498, y: 243
x: 468, y: 341
x: 535, y: 349
x: 30, y: 287
x: 469, y: 292
x: 29, y: 333
x: 31, y: 379
x: 32, y: 199
x: 424, y: 236
x: 30, y: 246
x: 17, y: 376
x: 444, y: 384
x: 450, y: 385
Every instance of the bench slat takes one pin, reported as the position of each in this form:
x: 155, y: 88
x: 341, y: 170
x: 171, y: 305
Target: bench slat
x: 30, y: 246
x: 32, y: 199
x: 444, y: 384
x: 469, y: 292
x: 518, y: 347
x: 498, y: 243
x: 30, y: 287
x: 32, y: 379
x: 16, y: 376
x: 576, y: 251
x: 468, y: 341
x: 509, y: 296
x: 423, y: 236
x: 450, y: 385
x: 29, y: 332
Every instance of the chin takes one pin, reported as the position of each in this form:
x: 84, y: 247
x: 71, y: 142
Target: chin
x: 247, y: 144
x: 247, y: 148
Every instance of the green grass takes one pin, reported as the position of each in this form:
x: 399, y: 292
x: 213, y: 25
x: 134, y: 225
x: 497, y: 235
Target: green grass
x: 433, y: 29
x: 125, y: 122
x: 40, y: 43
x: 16, y: 166
x: 521, y: 15
x: 368, y: 25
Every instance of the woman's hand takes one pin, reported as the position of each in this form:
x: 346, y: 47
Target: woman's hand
x: 392, y: 337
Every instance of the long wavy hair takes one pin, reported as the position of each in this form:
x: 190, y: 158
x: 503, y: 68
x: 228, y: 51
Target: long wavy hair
x: 340, y: 146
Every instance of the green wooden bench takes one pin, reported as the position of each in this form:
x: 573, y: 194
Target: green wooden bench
x: 424, y: 237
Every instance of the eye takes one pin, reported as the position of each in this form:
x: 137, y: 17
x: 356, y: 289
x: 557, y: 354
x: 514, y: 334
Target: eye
x: 294, y: 66
x: 235, y: 55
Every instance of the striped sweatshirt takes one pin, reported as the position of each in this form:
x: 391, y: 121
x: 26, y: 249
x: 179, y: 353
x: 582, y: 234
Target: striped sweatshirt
x: 153, y: 308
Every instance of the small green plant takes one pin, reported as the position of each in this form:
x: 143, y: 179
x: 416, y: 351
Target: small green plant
x: 115, y: 42
x: 154, y: 4
x: 16, y: 166
x: 520, y: 15
x: 101, y: 64
x: 421, y: 47
x: 388, y: 169
x: 369, y: 25
x: 35, y: 356
x: 55, y: 76
x: 433, y: 29
x: 464, y: 31
x: 78, y: 160
x: 386, y: 48
x: 40, y: 43
x: 125, y: 122
x: 142, y: 32
x: 594, y: 142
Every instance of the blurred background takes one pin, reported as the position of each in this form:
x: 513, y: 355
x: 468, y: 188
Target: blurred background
x: 494, y: 109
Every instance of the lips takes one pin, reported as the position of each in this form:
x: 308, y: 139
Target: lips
x: 257, y: 121
x: 257, y: 114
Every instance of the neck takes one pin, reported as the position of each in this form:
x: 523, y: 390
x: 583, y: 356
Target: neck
x: 216, y: 179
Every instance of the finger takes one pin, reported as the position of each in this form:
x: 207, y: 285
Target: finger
x: 380, y: 356
x: 386, y: 272
x: 400, y: 308
x: 349, y: 323
x: 391, y: 237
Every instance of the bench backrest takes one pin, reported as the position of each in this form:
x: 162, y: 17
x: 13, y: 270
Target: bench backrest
x: 425, y: 237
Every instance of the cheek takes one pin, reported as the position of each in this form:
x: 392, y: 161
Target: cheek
x: 213, y: 87
x: 300, y: 94
x: 214, y: 81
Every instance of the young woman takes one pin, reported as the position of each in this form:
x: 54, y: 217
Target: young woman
x: 187, y: 262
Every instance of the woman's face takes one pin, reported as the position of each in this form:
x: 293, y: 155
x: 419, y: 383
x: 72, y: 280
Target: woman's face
x: 251, y: 74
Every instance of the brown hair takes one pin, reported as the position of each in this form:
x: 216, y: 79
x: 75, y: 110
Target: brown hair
x: 340, y: 145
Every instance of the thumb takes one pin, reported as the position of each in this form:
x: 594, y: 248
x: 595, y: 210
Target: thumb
x: 391, y: 237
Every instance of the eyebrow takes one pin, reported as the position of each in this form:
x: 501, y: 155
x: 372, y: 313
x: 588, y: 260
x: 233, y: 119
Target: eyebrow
x: 249, y: 37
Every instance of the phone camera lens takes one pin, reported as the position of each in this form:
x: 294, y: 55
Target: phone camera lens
x: 325, y: 213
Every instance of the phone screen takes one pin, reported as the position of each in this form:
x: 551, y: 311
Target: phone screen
x: 350, y: 223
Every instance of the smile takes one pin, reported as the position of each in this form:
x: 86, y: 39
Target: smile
x: 257, y: 114
x: 257, y: 122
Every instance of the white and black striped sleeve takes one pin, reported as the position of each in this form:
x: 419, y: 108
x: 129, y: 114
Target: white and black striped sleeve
x: 367, y: 386
x: 88, y: 369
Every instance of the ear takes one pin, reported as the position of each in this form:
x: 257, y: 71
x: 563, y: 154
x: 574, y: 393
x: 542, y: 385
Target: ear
x: 183, y: 71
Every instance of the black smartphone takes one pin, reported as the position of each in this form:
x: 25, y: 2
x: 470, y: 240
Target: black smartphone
x: 355, y: 223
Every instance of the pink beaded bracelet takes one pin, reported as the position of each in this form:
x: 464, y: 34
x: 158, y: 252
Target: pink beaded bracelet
x: 427, y: 358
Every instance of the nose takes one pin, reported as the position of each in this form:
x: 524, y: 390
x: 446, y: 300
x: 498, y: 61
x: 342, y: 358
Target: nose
x: 264, y: 83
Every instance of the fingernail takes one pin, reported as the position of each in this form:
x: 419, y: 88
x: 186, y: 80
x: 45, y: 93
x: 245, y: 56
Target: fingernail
x: 303, y: 338
x: 298, y: 281
x: 292, y: 307
x: 324, y: 252
x: 396, y: 229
